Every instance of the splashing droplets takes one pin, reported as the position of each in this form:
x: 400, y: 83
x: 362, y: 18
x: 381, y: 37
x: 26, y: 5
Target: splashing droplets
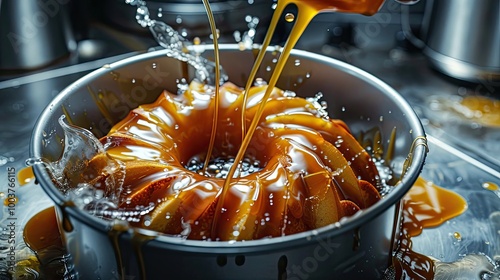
x: 289, y: 17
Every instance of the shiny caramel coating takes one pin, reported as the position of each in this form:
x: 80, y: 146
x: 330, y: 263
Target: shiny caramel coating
x: 313, y: 171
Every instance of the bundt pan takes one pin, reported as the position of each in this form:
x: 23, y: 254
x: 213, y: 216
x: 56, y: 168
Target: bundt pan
x: 358, y: 247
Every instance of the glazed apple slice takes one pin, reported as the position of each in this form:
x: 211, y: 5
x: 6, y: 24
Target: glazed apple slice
x: 342, y: 173
x: 187, y: 198
x: 336, y: 133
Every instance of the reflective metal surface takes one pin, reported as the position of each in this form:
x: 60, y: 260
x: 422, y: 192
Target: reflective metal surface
x: 189, y: 16
x: 33, y: 34
x: 463, y: 38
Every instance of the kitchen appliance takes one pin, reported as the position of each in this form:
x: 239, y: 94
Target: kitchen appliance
x: 361, y: 245
x: 189, y: 17
x: 33, y: 34
x: 462, y: 39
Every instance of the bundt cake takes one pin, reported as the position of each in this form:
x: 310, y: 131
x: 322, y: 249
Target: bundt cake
x: 301, y: 171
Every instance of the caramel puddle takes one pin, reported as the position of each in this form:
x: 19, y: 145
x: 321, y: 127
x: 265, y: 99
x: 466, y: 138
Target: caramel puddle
x: 424, y: 206
x: 41, y: 234
x: 25, y: 175
x: 483, y: 110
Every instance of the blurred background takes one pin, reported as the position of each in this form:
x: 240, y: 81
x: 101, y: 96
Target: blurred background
x: 51, y: 32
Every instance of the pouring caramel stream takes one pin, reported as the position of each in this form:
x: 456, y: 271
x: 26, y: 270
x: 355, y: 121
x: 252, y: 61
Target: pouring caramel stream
x: 217, y: 79
x: 307, y: 10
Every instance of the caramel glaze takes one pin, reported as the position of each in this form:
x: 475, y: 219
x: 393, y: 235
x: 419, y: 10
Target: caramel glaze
x: 309, y: 176
x: 307, y: 10
x: 41, y: 234
x: 39, y: 237
x: 424, y: 206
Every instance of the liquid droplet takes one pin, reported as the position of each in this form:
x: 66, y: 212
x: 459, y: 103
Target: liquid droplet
x: 172, y: 41
x: 289, y: 17
x: 490, y: 186
x: 25, y: 175
x: 33, y: 161
x: 4, y: 160
x: 10, y: 201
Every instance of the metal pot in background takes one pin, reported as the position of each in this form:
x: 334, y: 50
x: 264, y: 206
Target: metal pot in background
x: 33, y: 34
x: 462, y: 38
x: 189, y: 16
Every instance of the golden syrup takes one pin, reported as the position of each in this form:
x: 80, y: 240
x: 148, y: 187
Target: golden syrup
x: 431, y: 205
x: 424, y: 206
x: 138, y: 241
x: 25, y: 175
x: 483, y: 110
x: 41, y: 231
x: 307, y: 10
x: 26, y: 269
x: 217, y: 81
x: 490, y: 186
x: 98, y: 99
x: 11, y: 200
x: 117, y: 228
x: 389, y: 154
x: 66, y: 224
x: 41, y: 234
x: 475, y: 110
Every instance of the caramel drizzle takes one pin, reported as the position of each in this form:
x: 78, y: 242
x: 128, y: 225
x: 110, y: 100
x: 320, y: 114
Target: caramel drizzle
x: 418, y: 141
x: 297, y: 30
x: 138, y: 241
x: 117, y: 228
x: 306, y: 11
x: 217, y: 81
